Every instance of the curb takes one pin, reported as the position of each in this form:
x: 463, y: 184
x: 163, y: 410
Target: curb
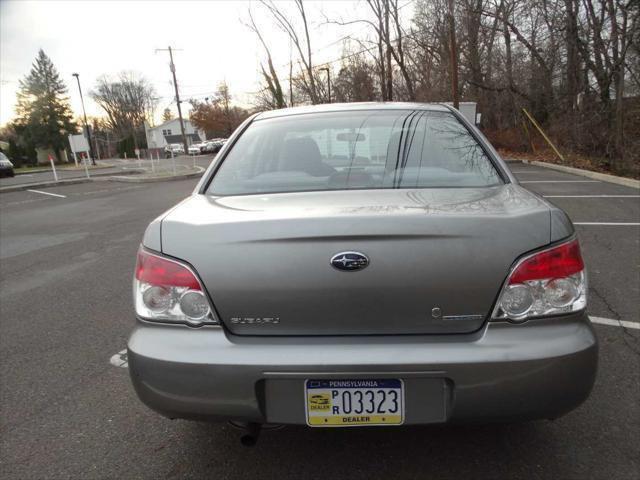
x: 53, y: 183
x: 605, y: 177
x: 141, y: 179
x: 65, y: 169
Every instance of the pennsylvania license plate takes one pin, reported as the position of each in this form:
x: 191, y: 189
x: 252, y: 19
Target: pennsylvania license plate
x: 349, y: 403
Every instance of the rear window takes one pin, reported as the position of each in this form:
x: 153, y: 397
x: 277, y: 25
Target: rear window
x: 368, y: 149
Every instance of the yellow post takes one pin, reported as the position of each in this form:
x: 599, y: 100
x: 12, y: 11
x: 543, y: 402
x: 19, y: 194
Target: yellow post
x: 535, y: 124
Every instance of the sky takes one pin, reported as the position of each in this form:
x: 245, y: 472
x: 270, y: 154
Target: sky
x: 96, y: 37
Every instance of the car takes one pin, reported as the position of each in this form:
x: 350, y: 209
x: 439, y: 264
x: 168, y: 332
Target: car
x: 214, y: 146
x: 173, y: 150
x: 200, y: 146
x: 194, y: 149
x: 301, y: 285
x: 209, y: 147
x: 6, y: 167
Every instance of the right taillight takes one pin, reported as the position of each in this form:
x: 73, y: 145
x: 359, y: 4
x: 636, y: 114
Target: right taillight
x: 549, y: 282
x: 166, y: 290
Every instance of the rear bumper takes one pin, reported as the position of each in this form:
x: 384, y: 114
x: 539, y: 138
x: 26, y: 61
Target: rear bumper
x: 540, y: 369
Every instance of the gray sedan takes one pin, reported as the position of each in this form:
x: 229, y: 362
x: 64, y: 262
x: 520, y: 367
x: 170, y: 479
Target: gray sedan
x: 361, y: 265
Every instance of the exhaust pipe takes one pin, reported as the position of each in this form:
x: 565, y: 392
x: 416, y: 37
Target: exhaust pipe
x: 251, y: 433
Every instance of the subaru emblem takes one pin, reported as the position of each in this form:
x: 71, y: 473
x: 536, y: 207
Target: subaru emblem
x: 349, y: 261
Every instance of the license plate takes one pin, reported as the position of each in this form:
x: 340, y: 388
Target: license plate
x: 350, y: 403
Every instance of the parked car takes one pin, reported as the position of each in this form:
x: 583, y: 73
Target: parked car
x: 6, y: 167
x: 214, y: 146
x: 422, y: 286
x: 200, y: 146
x: 173, y: 150
x: 194, y: 150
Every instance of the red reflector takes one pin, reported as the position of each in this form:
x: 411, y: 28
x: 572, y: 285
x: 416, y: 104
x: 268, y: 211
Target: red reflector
x: 161, y: 271
x: 561, y: 261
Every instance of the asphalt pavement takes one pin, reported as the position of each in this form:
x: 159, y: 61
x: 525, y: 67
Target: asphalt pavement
x: 66, y: 260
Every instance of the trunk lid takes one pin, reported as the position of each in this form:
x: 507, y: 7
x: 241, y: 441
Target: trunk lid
x: 438, y: 257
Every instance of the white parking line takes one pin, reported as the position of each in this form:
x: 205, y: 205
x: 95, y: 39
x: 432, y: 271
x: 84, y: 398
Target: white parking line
x: 591, y: 196
x: 120, y: 359
x: 561, y: 181
x: 614, y: 323
x: 48, y: 193
x: 610, y: 224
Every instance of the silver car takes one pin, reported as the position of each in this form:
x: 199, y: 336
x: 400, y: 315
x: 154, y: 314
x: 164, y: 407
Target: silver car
x: 356, y: 265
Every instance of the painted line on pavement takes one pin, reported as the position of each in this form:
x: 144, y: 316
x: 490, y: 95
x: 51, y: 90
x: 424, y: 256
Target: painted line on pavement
x: 48, y: 193
x: 610, y: 224
x: 561, y: 181
x: 591, y: 196
x: 614, y: 323
x: 120, y: 359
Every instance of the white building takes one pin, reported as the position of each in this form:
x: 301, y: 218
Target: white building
x: 169, y: 132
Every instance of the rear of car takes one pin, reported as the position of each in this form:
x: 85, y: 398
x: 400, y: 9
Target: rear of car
x: 173, y: 150
x: 361, y: 265
x: 6, y: 167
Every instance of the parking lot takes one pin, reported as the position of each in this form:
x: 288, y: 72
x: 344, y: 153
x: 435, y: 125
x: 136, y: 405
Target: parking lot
x: 67, y: 410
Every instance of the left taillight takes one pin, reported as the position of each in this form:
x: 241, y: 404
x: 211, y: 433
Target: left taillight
x: 166, y: 290
x: 549, y: 282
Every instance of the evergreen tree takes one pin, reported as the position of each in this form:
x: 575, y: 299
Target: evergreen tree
x: 43, y: 112
x: 167, y: 115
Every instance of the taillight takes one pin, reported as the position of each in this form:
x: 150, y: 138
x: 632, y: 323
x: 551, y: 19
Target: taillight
x: 549, y: 282
x: 166, y: 290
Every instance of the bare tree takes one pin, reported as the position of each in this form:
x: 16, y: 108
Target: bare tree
x: 302, y: 42
x: 128, y: 100
x: 271, y: 77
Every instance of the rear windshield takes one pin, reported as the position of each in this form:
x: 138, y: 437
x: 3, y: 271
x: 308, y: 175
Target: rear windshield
x: 354, y: 150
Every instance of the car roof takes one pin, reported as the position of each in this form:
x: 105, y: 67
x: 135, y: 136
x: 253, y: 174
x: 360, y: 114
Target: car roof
x: 345, y: 107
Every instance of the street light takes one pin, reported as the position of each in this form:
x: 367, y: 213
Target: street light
x: 93, y: 158
x: 328, y: 82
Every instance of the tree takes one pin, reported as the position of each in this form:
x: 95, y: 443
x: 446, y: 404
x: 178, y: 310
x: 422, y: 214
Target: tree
x: 272, y: 96
x: 129, y: 100
x: 167, y: 115
x: 43, y: 113
x: 217, y: 116
x: 302, y: 44
x: 355, y: 81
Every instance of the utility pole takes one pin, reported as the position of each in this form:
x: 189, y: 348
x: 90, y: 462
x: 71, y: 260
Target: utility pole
x: 454, y: 57
x: 326, y: 69
x: 86, y: 127
x: 172, y: 66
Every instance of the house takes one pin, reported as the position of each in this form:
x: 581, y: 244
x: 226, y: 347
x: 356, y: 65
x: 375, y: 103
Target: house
x: 169, y: 132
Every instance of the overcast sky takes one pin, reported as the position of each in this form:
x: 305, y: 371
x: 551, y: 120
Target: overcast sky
x: 105, y: 37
